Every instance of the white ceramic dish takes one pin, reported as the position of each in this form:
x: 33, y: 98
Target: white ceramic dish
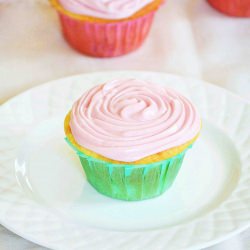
x: 44, y: 196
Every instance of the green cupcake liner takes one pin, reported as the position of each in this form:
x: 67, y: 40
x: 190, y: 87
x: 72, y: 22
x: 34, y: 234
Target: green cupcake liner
x: 130, y: 182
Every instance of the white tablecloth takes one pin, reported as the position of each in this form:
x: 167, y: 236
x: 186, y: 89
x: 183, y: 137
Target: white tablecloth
x: 188, y: 38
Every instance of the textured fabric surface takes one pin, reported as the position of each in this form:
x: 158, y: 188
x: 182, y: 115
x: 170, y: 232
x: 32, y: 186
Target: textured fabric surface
x: 188, y: 38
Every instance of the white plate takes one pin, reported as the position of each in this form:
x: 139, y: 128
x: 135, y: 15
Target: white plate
x: 45, y: 198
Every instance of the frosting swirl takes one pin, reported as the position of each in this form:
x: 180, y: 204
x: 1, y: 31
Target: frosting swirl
x: 107, y: 9
x: 127, y: 120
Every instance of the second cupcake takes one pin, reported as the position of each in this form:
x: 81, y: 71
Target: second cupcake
x: 103, y: 28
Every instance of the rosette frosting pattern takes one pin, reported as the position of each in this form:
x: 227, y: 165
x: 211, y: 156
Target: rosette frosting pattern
x: 127, y: 120
x: 107, y: 9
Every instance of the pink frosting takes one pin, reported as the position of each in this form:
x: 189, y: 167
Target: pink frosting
x: 107, y: 9
x: 127, y: 120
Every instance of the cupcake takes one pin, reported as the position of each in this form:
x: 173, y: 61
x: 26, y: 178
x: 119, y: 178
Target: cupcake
x: 104, y: 28
x: 238, y: 8
x: 131, y: 137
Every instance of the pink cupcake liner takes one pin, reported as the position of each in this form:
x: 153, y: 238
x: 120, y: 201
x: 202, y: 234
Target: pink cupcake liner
x: 106, y: 39
x: 238, y: 8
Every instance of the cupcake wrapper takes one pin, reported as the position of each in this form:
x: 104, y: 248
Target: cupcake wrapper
x: 130, y: 182
x: 106, y: 39
x: 238, y: 8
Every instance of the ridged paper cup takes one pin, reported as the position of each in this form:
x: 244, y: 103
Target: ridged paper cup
x: 130, y: 182
x: 237, y: 8
x: 104, y: 39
